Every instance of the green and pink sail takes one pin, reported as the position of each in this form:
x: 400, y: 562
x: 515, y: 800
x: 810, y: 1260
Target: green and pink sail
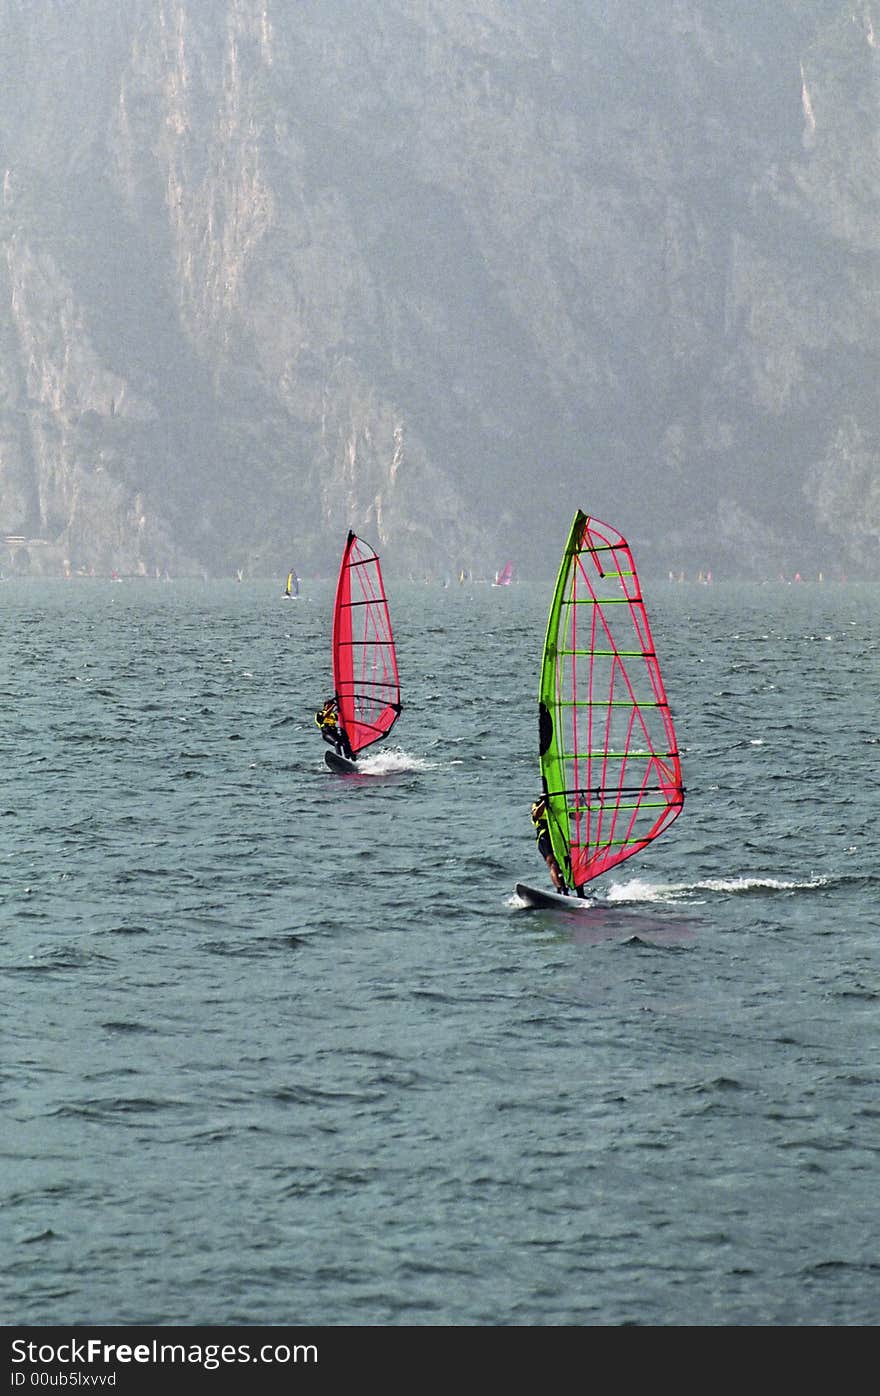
x: 609, y: 759
x: 364, y: 659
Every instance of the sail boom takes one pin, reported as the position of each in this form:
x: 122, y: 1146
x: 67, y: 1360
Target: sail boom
x: 602, y: 754
x: 606, y: 600
x: 603, y: 810
x: 615, y: 703
x: 610, y: 654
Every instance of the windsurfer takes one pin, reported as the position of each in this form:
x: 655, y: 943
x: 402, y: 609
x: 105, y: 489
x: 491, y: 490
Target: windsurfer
x: 545, y: 848
x: 327, y: 719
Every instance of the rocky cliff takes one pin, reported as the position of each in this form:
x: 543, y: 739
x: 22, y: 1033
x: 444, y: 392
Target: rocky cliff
x: 441, y: 272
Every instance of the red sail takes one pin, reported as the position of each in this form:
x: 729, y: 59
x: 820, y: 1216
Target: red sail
x: 364, y: 662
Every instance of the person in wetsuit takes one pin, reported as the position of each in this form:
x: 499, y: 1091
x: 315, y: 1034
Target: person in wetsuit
x: 327, y: 719
x: 545, y: 848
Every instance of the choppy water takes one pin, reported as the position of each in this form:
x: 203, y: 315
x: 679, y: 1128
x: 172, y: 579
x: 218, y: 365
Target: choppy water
x: 280, y: 1047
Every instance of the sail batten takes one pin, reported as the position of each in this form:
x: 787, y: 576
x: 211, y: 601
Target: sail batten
x: 609, y: 758
x: 365, y: 673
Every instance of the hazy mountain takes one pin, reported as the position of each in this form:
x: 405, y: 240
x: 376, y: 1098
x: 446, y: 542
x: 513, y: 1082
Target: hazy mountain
x: 441, y: 271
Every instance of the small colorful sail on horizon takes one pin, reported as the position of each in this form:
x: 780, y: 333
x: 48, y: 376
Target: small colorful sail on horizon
x: 291, y: 588
x: 610, y: 766
x: 365, y: 673
x: 504, y: 576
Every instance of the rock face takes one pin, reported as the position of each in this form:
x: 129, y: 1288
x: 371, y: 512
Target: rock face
x: 440, y: 272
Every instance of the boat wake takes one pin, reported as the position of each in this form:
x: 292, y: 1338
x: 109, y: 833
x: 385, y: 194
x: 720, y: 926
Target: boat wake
x: 392, y: 762
x: 640, y: 890
x: 594, y: 922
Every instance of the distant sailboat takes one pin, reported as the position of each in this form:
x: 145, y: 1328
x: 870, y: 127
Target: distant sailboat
x: 291, y: 590
x: 504, y: 576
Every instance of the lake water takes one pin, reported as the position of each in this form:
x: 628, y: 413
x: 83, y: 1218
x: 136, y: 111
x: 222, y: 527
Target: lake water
x: 280, y: 1047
